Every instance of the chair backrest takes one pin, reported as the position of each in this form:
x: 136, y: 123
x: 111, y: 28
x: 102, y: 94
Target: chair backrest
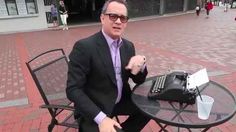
x: 49, y: 71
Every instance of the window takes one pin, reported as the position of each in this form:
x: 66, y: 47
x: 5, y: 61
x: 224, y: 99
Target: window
x: 31, y: 6
x: 17, y: 7
x: 21, y: 8
x: 11, y: 7
x: 3, y: 8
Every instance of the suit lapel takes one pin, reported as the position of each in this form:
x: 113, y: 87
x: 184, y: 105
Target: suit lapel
x: 104, y: 52
x: 123, y: 57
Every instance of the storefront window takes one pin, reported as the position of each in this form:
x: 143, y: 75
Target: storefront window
x: 138, y: 8
x: 3, y: 8
x: 21, y: 7
x: 172, y: 6
x: 11, y: 7
x: 17, y: 7
x: 31, y: 6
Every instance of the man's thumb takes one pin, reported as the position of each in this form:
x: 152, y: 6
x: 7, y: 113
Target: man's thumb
x: 129, y: 66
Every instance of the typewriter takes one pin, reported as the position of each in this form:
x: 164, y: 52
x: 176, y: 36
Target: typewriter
x: 172, y: 87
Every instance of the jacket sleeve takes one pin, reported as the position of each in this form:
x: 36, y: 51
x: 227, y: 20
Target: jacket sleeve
x: 141, y: 76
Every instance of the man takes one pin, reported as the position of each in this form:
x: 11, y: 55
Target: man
x: 99, y: 69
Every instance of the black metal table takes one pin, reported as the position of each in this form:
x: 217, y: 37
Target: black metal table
x: 183, y: 115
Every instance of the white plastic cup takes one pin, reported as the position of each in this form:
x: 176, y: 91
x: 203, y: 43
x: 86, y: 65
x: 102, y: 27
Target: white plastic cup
x: 204, y: 106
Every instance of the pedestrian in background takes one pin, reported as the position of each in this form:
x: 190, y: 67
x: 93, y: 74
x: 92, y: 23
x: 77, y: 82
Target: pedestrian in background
x: 198, y: 9
x: 54, y: 14
x: 63, y: 15
x: 208, y: 7
x: 226, y: 4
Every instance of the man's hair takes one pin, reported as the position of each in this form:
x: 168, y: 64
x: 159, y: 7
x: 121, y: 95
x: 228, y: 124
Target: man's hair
x: 104, y: 8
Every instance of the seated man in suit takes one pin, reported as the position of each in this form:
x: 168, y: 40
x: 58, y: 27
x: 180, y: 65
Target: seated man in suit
x: 99, y: 69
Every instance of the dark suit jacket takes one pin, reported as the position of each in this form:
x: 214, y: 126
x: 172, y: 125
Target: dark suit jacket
x: 91, y: 81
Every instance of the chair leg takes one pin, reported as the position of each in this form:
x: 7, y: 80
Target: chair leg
x: 117, y: 119
x: 51, y: 125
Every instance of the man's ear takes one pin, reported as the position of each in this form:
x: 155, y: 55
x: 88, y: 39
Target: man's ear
x: 102, y: 18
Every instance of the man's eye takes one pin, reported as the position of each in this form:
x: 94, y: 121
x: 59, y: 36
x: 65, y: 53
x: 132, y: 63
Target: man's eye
x: 114, y: 16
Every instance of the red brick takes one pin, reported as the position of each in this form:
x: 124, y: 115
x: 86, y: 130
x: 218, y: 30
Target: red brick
x: 36, y: 124
x: 17, y: 126
x: 26, y: 126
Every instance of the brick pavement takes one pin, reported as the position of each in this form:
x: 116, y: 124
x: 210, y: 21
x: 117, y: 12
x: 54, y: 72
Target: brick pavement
x: 178, y: 42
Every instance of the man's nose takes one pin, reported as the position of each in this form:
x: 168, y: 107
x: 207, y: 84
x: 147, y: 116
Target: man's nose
x: 118, y: 20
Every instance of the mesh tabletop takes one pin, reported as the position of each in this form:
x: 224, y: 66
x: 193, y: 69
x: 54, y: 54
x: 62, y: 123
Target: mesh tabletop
x: 184, y: 115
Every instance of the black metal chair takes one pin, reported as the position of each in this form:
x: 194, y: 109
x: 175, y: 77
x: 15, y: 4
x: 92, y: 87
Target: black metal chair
x: 49, y: 72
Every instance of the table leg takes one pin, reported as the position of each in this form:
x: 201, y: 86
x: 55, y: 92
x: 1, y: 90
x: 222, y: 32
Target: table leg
x: 204, y: 130
x: 162, y: 127
x: 178, y: 129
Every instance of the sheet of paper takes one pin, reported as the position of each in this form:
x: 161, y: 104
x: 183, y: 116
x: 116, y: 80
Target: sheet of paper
x: 197, y: 79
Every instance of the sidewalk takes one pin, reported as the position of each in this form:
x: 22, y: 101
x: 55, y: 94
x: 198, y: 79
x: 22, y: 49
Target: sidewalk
x: 179, y: 42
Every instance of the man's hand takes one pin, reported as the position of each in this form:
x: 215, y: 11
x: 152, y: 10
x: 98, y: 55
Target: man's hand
x: 136, y: 63
x: 107, y: 125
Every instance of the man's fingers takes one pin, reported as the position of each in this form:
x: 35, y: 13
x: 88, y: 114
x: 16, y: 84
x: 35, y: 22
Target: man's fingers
x: 128, y: 68
x: 130, y: 65
x: 136, y: 61
x: 117, y: 125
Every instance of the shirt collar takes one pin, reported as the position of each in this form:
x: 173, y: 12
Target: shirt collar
x: 110, y: 40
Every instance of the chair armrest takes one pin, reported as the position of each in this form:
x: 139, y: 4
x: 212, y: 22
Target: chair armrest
x: 71, y: 108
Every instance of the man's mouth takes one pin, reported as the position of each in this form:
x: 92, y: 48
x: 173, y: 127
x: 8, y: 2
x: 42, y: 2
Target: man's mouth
x: 118, y: 28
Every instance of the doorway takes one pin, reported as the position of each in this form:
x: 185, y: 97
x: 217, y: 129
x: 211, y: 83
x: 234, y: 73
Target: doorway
x: 83, y: 11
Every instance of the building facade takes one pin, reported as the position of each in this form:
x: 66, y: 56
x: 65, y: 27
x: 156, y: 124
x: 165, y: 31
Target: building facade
x: 21, y: 15
x: 24, y: 15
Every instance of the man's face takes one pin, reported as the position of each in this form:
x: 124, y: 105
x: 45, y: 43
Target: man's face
x: 61, y: 3
x: 114, y: 28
